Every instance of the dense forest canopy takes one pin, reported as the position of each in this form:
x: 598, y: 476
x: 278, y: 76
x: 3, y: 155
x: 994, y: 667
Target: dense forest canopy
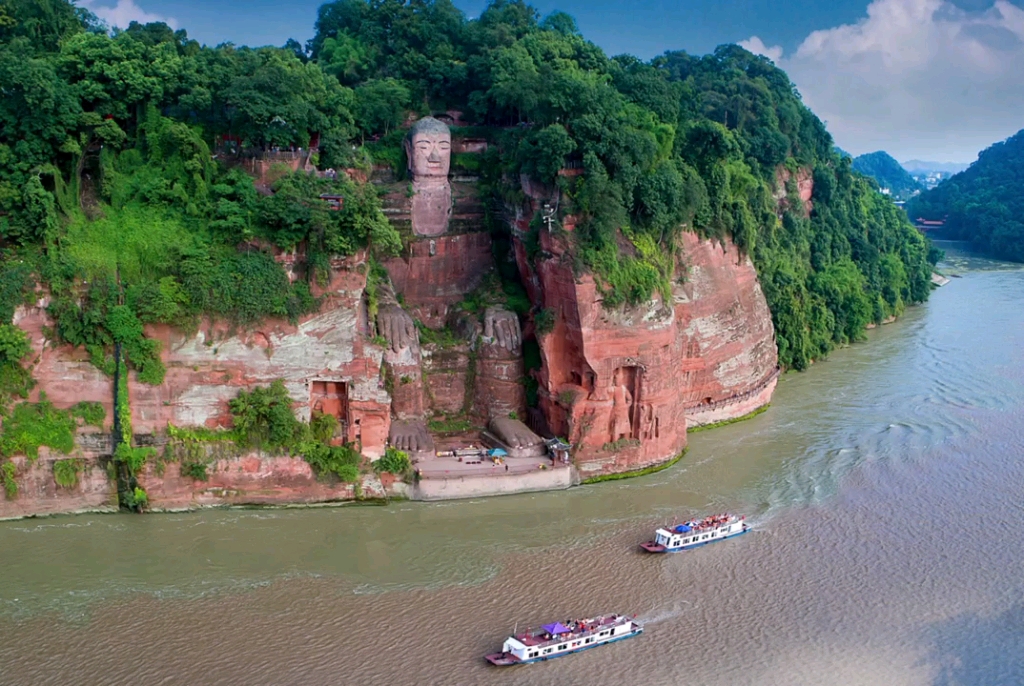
x: 117, y: 191
x: 883, y: 168
x: 985, y: 203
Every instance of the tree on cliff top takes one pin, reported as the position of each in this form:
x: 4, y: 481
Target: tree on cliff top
x: 102, y: 129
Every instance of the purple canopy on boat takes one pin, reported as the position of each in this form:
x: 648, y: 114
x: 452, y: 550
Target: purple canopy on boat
x: 556, y: 628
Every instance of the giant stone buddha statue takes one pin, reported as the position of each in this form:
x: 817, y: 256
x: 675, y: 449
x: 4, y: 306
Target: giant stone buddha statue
x: 499, y: 392
x: 428, y: 148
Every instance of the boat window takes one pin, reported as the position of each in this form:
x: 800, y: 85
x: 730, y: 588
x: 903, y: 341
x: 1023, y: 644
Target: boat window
x: 547, y: 650
x: 603, y: 633
x: 590, y: 640
x: 686, y: 540
x: 533, y: 654
x: 563, y: 646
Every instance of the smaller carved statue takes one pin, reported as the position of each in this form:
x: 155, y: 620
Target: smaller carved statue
x: 428, y: 147
x: 647, y: 422
x: 622, y: 403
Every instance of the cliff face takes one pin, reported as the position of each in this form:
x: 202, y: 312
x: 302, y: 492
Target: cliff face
x: 250, y: 479
x: 255, y: 479
x: 325, y: 360
x: 328, y: 364
x: 622, y: 385
x: 804, y: 182
x: 39, y: 494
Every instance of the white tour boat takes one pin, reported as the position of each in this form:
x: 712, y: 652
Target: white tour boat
x: 696, y: 532
x: 558, y: 639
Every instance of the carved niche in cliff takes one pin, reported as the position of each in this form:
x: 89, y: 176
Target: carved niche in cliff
x: 331, y: 397
x: 428, y: 147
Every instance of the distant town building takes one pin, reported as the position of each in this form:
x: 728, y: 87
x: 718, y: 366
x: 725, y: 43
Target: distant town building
x: 926, y: 225
x: 931, y: 179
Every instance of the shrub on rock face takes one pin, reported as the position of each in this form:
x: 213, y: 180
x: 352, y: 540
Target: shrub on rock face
x: 32, y: 425
x: 394, y: 462
x: 15, y: 380
x: 326, y: 460
x: 263, y: 418
x: 66, y: 472
x: 8, y: 474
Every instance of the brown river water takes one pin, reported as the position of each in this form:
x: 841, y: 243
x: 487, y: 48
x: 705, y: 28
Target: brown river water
x: 885, y: 485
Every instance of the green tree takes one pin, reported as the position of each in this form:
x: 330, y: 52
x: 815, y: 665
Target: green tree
x: 381, y: 105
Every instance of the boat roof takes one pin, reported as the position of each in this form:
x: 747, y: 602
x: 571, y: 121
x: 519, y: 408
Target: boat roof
x: 558, y: 632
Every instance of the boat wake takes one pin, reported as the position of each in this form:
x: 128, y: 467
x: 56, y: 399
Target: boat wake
x: 658, y: 615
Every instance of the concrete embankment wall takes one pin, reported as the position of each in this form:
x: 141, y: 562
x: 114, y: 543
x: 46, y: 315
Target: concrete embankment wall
x: 456, y: 487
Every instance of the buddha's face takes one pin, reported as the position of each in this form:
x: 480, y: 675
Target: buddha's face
x: 430, y: 154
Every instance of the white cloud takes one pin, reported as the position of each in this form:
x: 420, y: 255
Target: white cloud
x: 124, y: 13
x: 757, y: 46
x: 918, y: 78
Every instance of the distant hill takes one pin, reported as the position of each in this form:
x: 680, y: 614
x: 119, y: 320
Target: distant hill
x: 923, y: 167
x: 985, y: 203
x: 842, y: 153
x: 884, y: 169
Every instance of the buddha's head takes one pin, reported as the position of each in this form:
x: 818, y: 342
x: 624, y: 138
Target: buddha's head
x: 429, y: 149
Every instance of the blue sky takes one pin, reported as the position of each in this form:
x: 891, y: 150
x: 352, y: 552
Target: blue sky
x: 641, y: 28
x: 931, y: 79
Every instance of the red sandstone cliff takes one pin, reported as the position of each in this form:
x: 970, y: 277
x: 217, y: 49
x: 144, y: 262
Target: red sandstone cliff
x: 326, y: 361
x: 623, y: 384
x: 328, y: 364
x: 804, y: 183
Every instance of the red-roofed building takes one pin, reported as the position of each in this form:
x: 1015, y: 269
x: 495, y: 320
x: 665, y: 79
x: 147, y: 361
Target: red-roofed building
x: 926, y: 225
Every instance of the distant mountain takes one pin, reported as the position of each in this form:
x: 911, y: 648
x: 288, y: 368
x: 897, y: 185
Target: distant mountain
x: 923, y: 167
x: 842, y: 153
x: 985, y: 203
x: 884, y: 169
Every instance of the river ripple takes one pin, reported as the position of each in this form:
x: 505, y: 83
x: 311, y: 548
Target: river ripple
x: 886, y: 485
